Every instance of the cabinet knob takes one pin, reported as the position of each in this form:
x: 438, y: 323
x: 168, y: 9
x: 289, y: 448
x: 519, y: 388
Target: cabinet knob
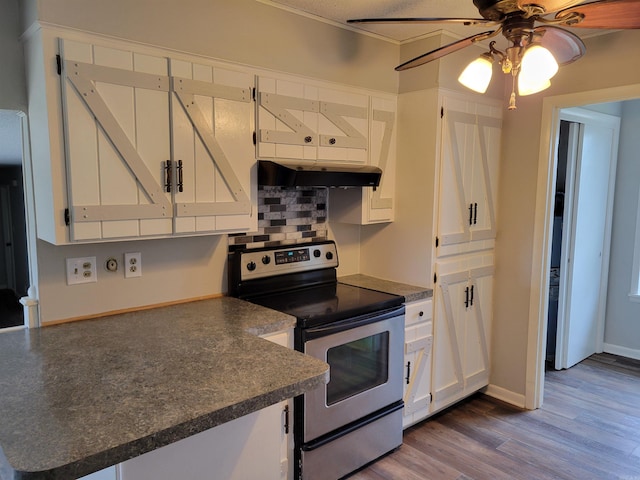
x: 421, y: 314
x: 332, y: 141
x: 307, y: 139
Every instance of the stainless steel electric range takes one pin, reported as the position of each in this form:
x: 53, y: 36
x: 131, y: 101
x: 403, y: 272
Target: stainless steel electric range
x: 357, y: 416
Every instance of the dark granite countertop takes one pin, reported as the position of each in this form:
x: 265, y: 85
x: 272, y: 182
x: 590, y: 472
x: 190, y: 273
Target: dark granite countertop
x: 410, y: 293
x: 79, y: 397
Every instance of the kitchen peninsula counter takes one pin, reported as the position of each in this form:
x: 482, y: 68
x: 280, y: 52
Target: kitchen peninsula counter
x: 410, y: 293
x: 78, y: 397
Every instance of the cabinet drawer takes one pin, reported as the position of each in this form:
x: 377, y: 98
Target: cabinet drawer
x: 419, y: 311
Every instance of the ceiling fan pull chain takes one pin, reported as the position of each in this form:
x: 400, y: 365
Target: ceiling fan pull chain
x: 512, y: 98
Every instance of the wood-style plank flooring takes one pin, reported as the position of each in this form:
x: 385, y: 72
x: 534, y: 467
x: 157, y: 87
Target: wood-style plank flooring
x: 588, y: 428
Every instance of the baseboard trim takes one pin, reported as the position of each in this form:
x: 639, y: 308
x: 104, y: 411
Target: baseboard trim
x: 622, y: 351
x: 502, y: 394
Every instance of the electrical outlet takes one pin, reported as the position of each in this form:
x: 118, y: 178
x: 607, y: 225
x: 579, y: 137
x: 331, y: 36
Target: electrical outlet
x: 132, y: 265
x: 81, y: 270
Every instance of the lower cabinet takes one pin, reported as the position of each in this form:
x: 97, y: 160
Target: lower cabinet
x: 462, y: 328
x: 247, y: 447
x: 417, y: 361
x: 253, y: 446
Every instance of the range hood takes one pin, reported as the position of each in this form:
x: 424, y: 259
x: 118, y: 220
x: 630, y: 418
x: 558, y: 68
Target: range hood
x: 299, y: 174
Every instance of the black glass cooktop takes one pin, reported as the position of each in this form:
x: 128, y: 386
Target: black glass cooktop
x: 324, y: 304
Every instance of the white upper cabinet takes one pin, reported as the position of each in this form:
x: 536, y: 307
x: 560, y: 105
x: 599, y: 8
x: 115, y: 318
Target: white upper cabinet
x: 117, y: 138
x: 364, y: 206
x: 311, y: 122
x: 214, y: 157
x: 469, y: 160
x: 151, y: 146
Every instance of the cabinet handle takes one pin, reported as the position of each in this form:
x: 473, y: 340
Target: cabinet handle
x: 471, y: 214
x: 180, y: 189
x: 167, y: 176
x: 471, y: 295
x: 475, y: 213
x: 286, y: 419
x: 466, y: 297
x: 408, y: 378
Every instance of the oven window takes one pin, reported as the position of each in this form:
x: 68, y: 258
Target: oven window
x: 357, y: 366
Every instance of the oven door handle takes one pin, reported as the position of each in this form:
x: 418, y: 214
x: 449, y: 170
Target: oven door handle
x: 353, y: 322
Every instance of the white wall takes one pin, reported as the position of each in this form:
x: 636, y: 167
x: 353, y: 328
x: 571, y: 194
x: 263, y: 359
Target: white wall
x: 13, y: 94
x: 242, y: 31
x: 622, y: 327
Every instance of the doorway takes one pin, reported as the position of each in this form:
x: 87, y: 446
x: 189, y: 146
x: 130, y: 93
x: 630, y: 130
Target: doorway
x: 536, y: 361
x: 14, y: 264
x: 581, y: 234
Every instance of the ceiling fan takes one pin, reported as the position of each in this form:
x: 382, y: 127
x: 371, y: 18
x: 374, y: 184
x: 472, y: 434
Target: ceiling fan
x: 535, y: 51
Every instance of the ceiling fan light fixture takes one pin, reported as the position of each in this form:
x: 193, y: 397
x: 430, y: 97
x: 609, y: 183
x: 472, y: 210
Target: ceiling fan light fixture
x: 477, y: 75
x: 538, y: 62
x: 529, y: 86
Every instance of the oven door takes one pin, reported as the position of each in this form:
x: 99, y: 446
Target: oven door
x: 365, y: 355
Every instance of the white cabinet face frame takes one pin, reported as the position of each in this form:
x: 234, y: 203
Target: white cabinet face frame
x: 121, y: 111
x: 469, y: 164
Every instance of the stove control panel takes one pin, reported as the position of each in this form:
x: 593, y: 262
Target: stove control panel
x: 281, y: 260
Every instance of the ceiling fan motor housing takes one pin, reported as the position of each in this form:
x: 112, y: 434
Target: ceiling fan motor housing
x: 496, y: 10
x: 518, y: 29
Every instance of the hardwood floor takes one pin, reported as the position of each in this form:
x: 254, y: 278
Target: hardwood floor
x: 588, y: 428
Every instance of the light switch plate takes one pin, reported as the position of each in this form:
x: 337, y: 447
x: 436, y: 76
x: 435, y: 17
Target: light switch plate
x: 81, y: 270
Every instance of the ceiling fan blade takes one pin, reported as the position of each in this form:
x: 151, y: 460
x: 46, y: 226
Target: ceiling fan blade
x: 565, y: 46
x: 548, y: 6
x: 418, y: 20
x: 445, y: 50
x: 608, y: 14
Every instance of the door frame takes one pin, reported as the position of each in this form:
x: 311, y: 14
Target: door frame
x: 541, y: 253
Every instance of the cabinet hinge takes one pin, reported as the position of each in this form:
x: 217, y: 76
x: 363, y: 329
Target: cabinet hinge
x: 441, y: 112
x: 59, y: 64
x: 67, y: 217
x: 254, y: 138
x: 437, y: 242
x: 435, y: 278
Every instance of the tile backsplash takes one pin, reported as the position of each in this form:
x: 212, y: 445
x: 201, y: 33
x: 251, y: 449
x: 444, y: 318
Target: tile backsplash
x: 286, y: 216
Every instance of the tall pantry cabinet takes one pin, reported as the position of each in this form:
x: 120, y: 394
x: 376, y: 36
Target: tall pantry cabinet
x: 464, y: 242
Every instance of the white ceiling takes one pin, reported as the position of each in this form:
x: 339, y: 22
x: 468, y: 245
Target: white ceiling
x: 339, y: 11
x: 10, y: 138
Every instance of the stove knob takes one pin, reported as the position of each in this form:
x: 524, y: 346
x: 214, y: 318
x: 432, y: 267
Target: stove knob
x: 329, y: 255
x: 251, y: 266
x: 317, y: 253
x: 266, y: 260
